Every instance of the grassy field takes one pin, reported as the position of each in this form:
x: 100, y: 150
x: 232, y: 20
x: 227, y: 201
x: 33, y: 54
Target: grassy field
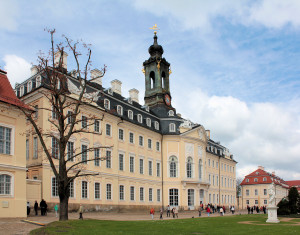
x: 212, y: 225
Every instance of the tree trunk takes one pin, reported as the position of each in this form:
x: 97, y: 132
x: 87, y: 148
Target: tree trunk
x: 63, y: 208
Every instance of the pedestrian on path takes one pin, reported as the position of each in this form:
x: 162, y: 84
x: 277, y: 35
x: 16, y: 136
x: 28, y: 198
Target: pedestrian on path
x: 36, y: 207
x: 199, y: 210
x: 161, y: 213
x: 176, y: 212
x: 56, y: 209
x: 80, y: 211
x: 208, y: 211
x: 152, y: 212
x: 232, y: 209
x: 221, y: 211
x: 168, y: 211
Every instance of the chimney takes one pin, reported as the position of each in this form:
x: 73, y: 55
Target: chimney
x: 134, y: 95
x: 34, y: 70
x: 57, y: 58
x: 208, y: 133
x: 116, y: 86
x: 261, y: 168
x: 96, y: 76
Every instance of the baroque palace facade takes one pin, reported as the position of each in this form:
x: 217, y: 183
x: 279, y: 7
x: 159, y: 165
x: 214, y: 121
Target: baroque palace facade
x: 158, y: 158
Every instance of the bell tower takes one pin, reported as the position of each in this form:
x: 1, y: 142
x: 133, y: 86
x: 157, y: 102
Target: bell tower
x: 156, y: 70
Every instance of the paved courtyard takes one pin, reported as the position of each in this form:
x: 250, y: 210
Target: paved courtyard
x: 10, y: 226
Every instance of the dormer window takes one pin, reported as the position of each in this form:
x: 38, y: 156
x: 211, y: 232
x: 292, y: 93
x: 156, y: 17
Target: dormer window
x: 130, y: 114
x: 264, y: 179
x: 110, y: 91
x: 120, y: 110
x: 156, y: 125
x: 247, y: 180
x: 255, y: 180
x: 106, y: 104
x: 171, y: 113
x: 38, y: 81
x: 29, y: 86
x: 22, y: 90
x: 147, y: 108
x: 257, y: 172
x: 129, y: 100
x: 172, y: 127
x: 140, y: 118
x: 148, y: 122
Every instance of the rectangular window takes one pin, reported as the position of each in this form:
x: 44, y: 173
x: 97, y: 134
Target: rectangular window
x: 256, y: 201
x: 121, y: 134
x: 141, y: 194
x: 27, y: 149
x: 213, y: 163
x: 108, y: 129
x: 217, y: 180
x: 149, y: 144
x: 247, y: 192
x: 157, y: 146
x: 84, y: 122
x: 54, y: 187
x: 97, y: 190
x: 108, y: 191
x: 84, y: 189
x: 208, y: 162
x: 158, y: 195
x: 247, y: 202
x: 97, y: 126
x: 121, y: 162
x: 84, y: 153
x: 150, y: 194
x: 265, y: 202
x: 131, y: 164
x: 70, y: 117
x: 217, y: 165
x: 54, y: 113
x: 150, y: 167
x: 108, y: 159
x: 71, y: 189
x: 97, y: 157
x: 158, y: 169
x: 36, y: 109
x: 141, y: 166
x: 131, y: 193
x: 131, y: 137
x: 256, y: 192
x: 70, y: 151
x: 121, y: 192
x: 209, y: 178
x: 35, y: 147
x: 141, y: 140
x: 265, y: 191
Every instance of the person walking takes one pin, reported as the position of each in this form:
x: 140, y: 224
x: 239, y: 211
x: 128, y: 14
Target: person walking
x: 152, y: 212
x: 36, y: 207
x: 199, y: 210
x: 248, y: 208
x: 80, y: 211
x: 42, y: 206
x: 221, y: 211
x: 176, y: 212
x: 232, y: 209
x: 208, y: 211
x: 168, y: 211
x: 56, y: 209
x: 161, y: 213
x: 28, y: 208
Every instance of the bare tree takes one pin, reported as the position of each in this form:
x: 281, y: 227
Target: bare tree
x: 65, y: 124
x: 238, y: 189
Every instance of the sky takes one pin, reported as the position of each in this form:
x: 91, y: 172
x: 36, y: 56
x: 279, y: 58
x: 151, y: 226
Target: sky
x: 235, y: 64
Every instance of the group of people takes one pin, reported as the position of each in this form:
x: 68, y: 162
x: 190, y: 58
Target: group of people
x: 211, y: 209
x: 173, y: 211
x: 43, y: 206
x: 257, y: 209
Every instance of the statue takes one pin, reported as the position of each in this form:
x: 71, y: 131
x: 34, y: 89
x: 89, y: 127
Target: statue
x: 272, y: 208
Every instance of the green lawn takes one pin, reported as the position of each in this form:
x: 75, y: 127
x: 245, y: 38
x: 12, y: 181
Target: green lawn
x: 212, y: 225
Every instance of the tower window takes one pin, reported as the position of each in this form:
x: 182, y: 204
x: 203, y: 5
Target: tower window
x: 172, y: 127
x: 106, y: 104
x: 152, y: 80
x: 140, y: 118
x: 171, y: 113
x: 130, y: 114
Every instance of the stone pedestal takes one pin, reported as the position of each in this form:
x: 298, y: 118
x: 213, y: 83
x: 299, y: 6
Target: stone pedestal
x: 272, y: 214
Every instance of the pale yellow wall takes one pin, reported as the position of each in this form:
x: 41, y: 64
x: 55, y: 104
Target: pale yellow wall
x: 14, y: 205
x: 281, y: 192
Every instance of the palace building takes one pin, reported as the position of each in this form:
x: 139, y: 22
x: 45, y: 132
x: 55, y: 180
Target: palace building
x: 158, y: 158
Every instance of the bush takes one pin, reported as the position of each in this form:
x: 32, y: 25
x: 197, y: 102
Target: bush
x: 293, y: 199
x: 283, y: 207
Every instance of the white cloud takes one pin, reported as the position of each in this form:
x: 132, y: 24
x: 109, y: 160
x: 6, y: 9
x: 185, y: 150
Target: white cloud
x: 17, y: 68
x: 257, y: 134
x: 8, y: 13
x: 191, y: 14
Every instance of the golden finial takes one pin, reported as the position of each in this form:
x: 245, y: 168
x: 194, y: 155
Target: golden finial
x: 154, y: 28
x: 170, y: 71
x: 143, y: 70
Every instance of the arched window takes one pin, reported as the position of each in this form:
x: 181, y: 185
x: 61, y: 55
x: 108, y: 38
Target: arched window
x: 38, y: 81
x: 189, y: 170
x: 106, y: 104
x: 171, y: 113
x: 172, y: 127
x: 152, y: 80
x: 173, y: 166
x: 5, y: 184
x: 120, y: 110
x: 200, y: 169
x: 130, y: 114
x: 163, y: 77
x: 148, y: 122
x: 140, y: 118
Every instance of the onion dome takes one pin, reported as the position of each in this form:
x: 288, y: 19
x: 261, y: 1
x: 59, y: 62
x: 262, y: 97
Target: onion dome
x: 155, y: 50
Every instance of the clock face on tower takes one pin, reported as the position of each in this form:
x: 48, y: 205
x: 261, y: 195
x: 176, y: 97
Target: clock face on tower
x: 167, y: 99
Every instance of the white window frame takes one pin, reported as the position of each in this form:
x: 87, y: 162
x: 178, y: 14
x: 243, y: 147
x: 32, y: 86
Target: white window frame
x: 97, y: 126
x: 96, y: 182
x: 106, y: 104
x: 130, y: 114
x: 123, y: 136
x: 172, y: 127
x: 132, y: 138
x: 156, y: 125
x: 150, y: 169
x: 120, y: 110
x: 140, y: 118
x: 141, y: 143
x: 150, y: 194
x: 148, y: 122
x: 130, y: 193
x: 110, y: 129
x: 171, y: 113
x: 87, y: 190
x: 157, y: 144
x: 27, y: 149
x: 12, y: 138
x: 158, y: 195
x: 54, y: 194
x: 142, y: 194
x: 150, y: 145
x: 84, y: 122
x: 141, y: 166
x: 121, y: 164
x: 123, y: 199
x: 12, y: 184
x: 73, y: 151
x: 111, y: 192
x: 133, y: 165
x: 176, y: 166
x: 110, y: 162
x: 158, y: 169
